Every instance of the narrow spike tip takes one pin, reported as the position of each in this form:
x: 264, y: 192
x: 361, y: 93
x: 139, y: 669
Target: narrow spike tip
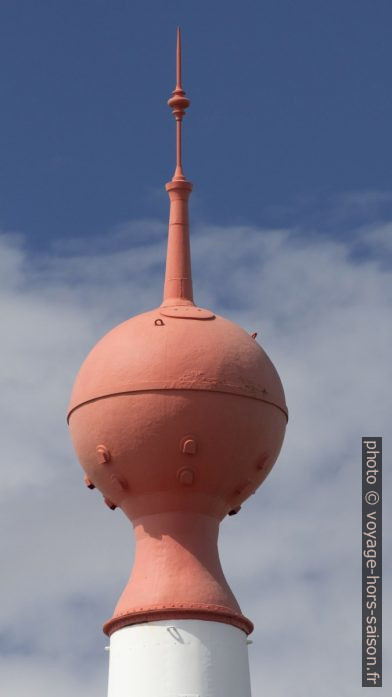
x: 179, y: 58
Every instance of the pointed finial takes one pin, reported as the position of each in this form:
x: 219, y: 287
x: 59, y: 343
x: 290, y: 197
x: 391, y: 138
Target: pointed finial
x: 178, y: 102
x: 178, y: 56
x: 178, y: 276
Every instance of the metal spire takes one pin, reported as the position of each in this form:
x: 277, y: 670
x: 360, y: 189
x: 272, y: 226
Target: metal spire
x: 178, y: 277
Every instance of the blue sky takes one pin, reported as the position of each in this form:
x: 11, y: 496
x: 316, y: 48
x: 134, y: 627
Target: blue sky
x: 291, y: 106
x: 288, y: 144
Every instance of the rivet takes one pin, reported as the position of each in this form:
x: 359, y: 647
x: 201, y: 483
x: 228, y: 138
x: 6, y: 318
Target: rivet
x: 189, y: 446
x: 110, y: 504
x: 254, y: 335
x: 88, y: 482
x: 186, y: 476
x: 103, y: 455
x: 261, y: 463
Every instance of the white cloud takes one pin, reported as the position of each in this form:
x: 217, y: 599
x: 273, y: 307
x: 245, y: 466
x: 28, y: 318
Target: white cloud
x: 36, y: 677
x: 292, y: 555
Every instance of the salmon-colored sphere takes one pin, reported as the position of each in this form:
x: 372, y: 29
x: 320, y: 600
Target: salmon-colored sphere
x: 170, y: 412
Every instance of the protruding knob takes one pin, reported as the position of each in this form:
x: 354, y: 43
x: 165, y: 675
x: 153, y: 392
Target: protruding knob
x: 186, y: 476
x: 88, y: 482
x: 189, y: 446
x: 103, y: 455
x: 110, y: 504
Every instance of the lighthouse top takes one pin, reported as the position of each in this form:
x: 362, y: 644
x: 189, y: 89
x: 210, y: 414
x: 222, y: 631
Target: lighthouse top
x: 177, y: 412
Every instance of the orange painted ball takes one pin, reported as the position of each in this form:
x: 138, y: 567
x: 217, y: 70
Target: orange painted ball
x: 170, y: 412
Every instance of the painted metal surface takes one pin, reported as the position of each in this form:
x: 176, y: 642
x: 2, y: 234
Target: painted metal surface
x: 178, y: 353
x: 177, y: 573
x: 184, y: 658
x: 177, y: 416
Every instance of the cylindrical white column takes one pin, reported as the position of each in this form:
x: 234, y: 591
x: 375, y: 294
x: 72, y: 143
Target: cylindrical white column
x: 179, y: 658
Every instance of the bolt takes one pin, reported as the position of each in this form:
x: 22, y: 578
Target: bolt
x: 262, y: 462
x: 186, y: 476
x: 88, y: 482
x: 110, y: 504
x: 189, y: 446
x: 103, y: 455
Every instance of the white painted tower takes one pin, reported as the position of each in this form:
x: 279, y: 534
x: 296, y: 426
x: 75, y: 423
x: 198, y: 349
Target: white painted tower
x: 183, y: 658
